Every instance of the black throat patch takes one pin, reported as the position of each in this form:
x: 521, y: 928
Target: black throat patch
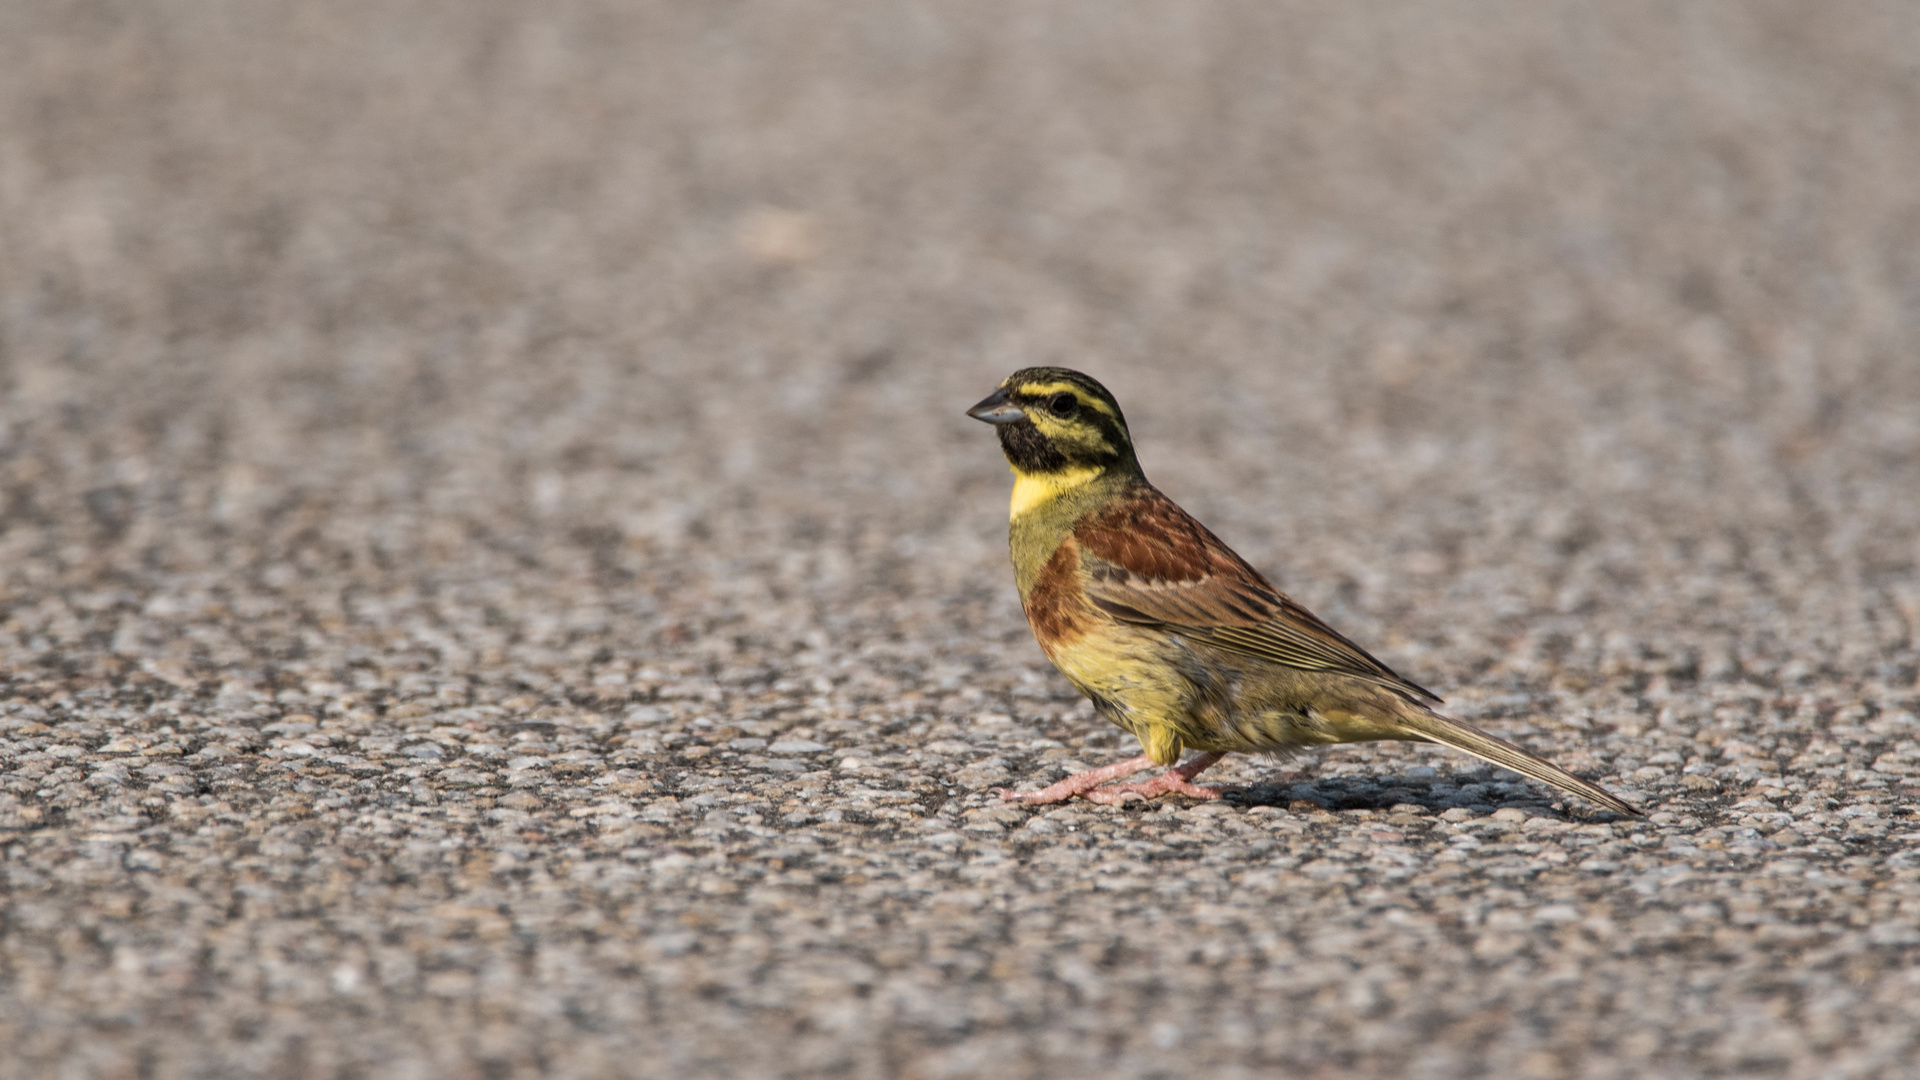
x: 1028, y: 450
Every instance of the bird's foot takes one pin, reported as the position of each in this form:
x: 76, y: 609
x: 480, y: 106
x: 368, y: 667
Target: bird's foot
x: 1087, y: 785
x: 1176, y: 781
x: 1165, y: 784
x: 1079, y: 783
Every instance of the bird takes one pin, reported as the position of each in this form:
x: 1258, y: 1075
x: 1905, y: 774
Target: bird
x: 1172, y: 636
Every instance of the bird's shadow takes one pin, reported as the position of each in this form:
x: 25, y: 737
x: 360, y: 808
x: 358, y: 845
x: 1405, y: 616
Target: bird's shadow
x: 1386, y: 792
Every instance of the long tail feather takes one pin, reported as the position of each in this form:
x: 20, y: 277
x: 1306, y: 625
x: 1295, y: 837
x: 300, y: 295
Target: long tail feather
x: 1447, y: 731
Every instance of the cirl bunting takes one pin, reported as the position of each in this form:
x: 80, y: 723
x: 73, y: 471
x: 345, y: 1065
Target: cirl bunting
x: 1173, y: 637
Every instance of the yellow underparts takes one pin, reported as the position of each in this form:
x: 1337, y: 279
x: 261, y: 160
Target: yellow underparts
x: 1033, y: 489
x: 1161, y: 742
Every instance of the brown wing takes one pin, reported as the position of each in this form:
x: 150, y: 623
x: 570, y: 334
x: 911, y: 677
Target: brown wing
x: 1148, y: 562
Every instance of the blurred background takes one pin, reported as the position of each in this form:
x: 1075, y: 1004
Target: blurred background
x: 302, y: 298
x: 472, y: 352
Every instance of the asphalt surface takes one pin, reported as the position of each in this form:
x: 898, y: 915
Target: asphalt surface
x: 495, y: 580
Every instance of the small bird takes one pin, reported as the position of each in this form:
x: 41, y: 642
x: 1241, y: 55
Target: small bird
x: 1172, y: 636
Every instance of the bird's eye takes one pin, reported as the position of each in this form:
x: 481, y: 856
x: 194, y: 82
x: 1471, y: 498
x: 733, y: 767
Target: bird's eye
x: 1063, y: 405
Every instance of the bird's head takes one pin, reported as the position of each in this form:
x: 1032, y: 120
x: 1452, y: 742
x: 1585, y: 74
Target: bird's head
x: 1056, y: 423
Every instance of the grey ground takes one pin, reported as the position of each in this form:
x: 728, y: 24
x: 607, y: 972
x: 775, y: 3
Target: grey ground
x: 496, y: 581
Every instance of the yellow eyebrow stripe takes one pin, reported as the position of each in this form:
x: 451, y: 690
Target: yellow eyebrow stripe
x: 1045, y: 389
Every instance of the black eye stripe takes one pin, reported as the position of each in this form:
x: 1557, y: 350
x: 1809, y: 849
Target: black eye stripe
x: 1063, y: 404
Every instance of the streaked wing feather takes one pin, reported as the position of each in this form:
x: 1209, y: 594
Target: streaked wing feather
x: 1149, y: 562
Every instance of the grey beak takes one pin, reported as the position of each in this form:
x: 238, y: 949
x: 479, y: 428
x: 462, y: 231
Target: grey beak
x: 996, y: 409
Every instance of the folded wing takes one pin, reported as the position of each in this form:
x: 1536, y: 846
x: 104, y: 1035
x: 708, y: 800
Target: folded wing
x: 1148, y: 562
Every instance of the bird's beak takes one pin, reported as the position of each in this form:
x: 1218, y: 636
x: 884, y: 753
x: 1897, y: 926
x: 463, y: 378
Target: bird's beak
x: 996, y: 409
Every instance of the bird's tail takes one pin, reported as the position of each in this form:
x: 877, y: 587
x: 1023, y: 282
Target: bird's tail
x: 1447, y: 731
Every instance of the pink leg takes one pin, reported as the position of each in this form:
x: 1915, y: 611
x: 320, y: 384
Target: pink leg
x: 1080, y: 782
x: 1176, y: 781
x: 1173, y: 781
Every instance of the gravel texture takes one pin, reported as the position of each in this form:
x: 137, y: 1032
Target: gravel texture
x: 495, y: 580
